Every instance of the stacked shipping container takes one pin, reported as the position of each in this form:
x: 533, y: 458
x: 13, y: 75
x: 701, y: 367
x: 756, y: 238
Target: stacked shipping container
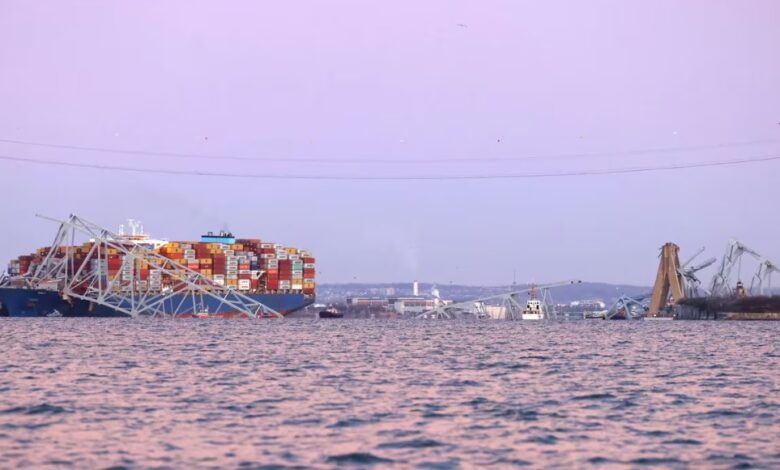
x: 248, y: 265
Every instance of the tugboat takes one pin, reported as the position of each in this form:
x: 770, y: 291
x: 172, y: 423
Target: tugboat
x: 533, y: 307
x: 330, y: 312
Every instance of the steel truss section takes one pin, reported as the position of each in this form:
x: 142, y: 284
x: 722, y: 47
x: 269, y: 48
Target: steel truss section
x: 191, y: 293
x: 511, y: 305
x: 761, y: 282
x: 632, y: 307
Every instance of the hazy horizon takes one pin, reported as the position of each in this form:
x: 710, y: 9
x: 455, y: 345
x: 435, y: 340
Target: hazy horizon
x: 405, y: 83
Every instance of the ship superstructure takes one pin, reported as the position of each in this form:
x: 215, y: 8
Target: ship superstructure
x: 533, y: 307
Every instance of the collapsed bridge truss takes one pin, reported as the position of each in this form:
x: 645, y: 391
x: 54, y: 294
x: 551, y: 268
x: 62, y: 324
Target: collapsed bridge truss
x: 88, y: 279
x: 510, y: 305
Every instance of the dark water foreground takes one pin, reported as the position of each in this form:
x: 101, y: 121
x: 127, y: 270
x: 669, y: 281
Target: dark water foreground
x: 303, y: 393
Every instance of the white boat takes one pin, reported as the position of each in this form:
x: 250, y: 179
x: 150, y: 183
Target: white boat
x: 533, y: 307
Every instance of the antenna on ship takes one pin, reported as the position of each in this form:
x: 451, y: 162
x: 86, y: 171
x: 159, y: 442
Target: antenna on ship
x: 136, y: 227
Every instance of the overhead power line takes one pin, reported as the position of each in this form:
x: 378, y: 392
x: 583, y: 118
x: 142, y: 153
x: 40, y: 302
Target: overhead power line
x: 605, y: 171
x: 484, y: 159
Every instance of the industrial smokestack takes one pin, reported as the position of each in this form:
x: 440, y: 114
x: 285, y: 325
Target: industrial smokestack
x: 415, y: 289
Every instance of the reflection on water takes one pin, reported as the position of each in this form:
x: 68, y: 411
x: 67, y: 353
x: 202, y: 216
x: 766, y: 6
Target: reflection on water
x: 301, y: 393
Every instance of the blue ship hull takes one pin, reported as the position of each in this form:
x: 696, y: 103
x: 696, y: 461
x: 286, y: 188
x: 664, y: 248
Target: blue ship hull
x: 18, y: 302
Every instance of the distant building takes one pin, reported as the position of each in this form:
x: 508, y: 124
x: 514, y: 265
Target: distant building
x: 366, y: 302
x: 414, y: 305
x: 588, y: 304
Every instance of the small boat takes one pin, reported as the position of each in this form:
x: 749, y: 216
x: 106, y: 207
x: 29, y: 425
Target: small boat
x: 330, y: 312
x: 533, y: 307
x: 594, y: 315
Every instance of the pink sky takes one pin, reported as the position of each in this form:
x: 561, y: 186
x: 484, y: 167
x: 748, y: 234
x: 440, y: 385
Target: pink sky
x: 401, y: 81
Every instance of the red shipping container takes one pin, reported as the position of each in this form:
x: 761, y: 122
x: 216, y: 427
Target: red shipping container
x: 308, y: 260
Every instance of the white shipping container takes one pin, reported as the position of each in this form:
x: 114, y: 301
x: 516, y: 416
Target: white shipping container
x: 219, y: 282
x: 294, y: 257
x: 266, y: 245
x: 244, y: 271
x: 229, y: 252
x: 308, y: 266
x: 281, y: 256
x: 308, y: 281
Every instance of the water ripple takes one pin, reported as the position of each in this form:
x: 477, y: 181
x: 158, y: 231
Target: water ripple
x: 107, y: 393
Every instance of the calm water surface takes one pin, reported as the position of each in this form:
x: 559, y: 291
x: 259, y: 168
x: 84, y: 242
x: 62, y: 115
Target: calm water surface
x: 305, y: 393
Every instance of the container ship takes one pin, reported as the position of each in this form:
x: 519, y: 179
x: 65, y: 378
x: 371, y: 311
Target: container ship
x: 132, y: 274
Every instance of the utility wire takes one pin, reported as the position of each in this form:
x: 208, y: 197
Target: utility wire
x: 639, y: 152
x: 606, y: 171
